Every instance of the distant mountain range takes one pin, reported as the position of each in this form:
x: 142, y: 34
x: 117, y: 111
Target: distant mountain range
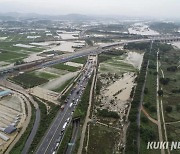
x: 16, y: 16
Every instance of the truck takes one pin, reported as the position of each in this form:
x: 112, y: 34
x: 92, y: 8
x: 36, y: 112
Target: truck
x: 62, y: 107
x: 57, y: 144
x: 64, y: 126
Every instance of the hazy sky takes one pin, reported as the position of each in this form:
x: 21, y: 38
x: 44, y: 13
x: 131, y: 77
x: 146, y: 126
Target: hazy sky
x: 152, y: 8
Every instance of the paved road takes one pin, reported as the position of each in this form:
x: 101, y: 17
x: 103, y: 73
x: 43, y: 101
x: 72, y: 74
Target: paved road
x: 33, y: 132
x: 158, y: 107
x: 56, y: 131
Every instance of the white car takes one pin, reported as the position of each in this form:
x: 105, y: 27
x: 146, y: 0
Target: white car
x: 68, y: 119
x: 71, y: 105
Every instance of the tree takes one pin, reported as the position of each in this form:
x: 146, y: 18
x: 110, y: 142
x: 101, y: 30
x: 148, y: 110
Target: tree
x: 19, y: 62
x: 168, y: 109
x: 164, y: 81
x: 152, y: 108
x: 172, y: 69
x: 155, y: 73
x: 147, y: 105
x: 178, y: 107
x: 146, y: 90
x: 160, y: 92
x: 144, y: 120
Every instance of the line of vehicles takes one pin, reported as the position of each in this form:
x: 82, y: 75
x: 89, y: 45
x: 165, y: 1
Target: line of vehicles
x: 72, y: 101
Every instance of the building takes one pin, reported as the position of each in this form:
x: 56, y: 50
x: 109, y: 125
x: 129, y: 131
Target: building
x: 5, y: 93
x: 10, y: 129
x: 4, y: 137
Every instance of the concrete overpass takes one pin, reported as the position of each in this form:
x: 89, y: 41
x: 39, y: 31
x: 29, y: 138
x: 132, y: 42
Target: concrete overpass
x: 67, y: 57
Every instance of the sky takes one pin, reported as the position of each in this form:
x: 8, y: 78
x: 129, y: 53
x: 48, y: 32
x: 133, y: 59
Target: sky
x: 138, y: 8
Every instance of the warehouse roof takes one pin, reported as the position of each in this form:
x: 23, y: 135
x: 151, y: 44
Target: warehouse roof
x: 4, y: 137
x: 10, y: 129
x: 5, y: 93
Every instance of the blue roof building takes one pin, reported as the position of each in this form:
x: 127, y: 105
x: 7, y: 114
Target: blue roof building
x: 5, y: 93
x: 10, y: 129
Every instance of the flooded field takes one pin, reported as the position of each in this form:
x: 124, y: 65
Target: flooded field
x: 135, y: 59
x: 116, y: 96
x: 121, y: 88
x: 119, y: 64
x: 68, y: 35
x: 3, y: 63
x: 177, y: 44
x: 24, y: 46
x: 55, y: 83
x: 53, y: 71
x: 74, y: 64
x: 3, y: 38
x: 142, y: 29
x: 42, y: 43
x: 67, y: 46
x: 45, y: 94
x: 118, y: 78
x: 33, y: 57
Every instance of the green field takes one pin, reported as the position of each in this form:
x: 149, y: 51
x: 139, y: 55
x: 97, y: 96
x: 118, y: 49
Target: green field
x: 173, y: 133
x: 150, y: 93
x: 149, y: 133
x: 62, y: 87
x: 11, y: 53
x: 81, y: 60
x: 11, y: 56
x: 168, y: 59
x: 44, y: 75
x: 115, y: 65
x: 66, y: 67
x: 102, y: 140
x: 28, y: 80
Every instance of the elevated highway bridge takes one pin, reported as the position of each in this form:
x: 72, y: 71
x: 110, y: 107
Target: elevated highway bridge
x: 67, y: 57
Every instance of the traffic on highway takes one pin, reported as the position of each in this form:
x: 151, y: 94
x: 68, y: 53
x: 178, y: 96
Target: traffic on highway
x: 55, y: 134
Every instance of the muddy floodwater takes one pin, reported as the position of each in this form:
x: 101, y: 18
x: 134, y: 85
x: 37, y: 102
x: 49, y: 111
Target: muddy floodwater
x: 135, y: 59
x: 142, y: 29
x: 74, y: 64
x: 121, y: 88
x: 33, y: 57
x: 116, y: 95
x: 67, y: 46
x: 177, y: 44
x: 68, y: 35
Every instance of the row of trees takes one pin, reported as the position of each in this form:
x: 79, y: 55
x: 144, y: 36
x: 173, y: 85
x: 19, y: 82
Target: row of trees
x: 131, y: 144
x: 138, y: 46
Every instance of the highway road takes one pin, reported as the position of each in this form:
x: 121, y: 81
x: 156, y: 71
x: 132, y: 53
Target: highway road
x: 67, y: 57
x: 33, y: 133
x: 54, y: 135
